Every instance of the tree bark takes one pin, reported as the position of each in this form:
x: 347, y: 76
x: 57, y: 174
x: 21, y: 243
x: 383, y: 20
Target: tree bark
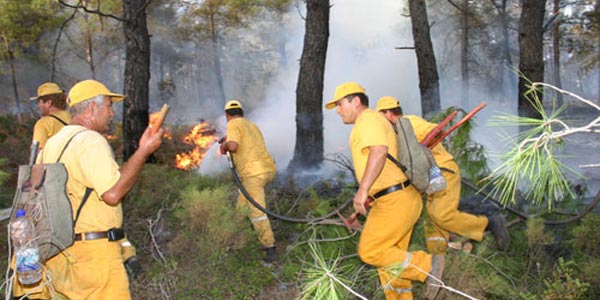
x: 89, y: 47
x: 308, y: 152
x: 428, y: 75
x: 136, y: 75
x: 465, y: 55
x: 531, y: 63
x: 556, y: 52
x: 9, y: 59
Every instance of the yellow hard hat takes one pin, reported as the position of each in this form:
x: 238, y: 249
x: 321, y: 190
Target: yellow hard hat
x: 88, y: 89
x: 387, y: 102
x: 344, y: 90
x: 233, y: 104
x: 47, y: 88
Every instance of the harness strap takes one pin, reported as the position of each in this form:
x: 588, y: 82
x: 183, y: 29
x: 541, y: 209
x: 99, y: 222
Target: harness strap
x: 59, y: 119
x: 88, y: 191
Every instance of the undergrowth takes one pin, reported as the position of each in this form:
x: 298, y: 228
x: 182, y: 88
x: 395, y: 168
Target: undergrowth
x: 193, y: 244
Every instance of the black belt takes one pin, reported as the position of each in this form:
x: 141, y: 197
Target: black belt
x: 112, y: 235
x: 392, y: 189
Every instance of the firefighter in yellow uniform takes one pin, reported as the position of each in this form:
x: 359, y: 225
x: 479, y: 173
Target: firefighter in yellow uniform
x: 52, y: 102
x: 92, y: 268
x: 443, y: 215
x: 397, y: 205
x: 256, y: 168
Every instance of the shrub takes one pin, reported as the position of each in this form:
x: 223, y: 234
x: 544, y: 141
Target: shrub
x: 563, y: 284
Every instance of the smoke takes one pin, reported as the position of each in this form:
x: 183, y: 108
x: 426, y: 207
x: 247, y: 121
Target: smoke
x: 359, y: 49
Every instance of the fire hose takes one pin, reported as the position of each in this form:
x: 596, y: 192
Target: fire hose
x: 275, y: 215
x: 432, y: 139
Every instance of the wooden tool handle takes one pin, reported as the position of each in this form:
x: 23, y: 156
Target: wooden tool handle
x: 161, y: 117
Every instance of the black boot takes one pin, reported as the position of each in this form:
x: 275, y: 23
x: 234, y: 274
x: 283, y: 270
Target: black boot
x: 497, y: 226
x: 270, y: 255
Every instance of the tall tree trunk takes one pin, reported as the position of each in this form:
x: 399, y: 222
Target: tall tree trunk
x: 9, y: 59
x: 428, y: 75
x: 136, y: 75
x: 308, y: 152
x: 556, y: 52
x: 464, y: 57
x: 531, y: 63
x: 218, y: 73
x: 506, y: 75
x: 89, y: 50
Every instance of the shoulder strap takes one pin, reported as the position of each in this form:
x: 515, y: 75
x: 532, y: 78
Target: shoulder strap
x: 59, y: 119
x: 67, y: 144
x: 86, y: 196
x: 399, y: 129
x: 88, y: 191
x: 396, y: 162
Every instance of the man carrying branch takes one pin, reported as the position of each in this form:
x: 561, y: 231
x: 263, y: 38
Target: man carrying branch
x: 443, y: 215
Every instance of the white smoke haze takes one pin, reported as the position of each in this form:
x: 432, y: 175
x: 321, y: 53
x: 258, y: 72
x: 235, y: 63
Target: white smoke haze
x: 362, y: 49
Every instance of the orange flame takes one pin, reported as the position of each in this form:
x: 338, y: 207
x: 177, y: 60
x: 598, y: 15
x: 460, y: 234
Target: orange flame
x: 202, y: 136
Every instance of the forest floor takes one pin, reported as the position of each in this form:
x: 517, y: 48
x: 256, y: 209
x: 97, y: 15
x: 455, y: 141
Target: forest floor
x: 192, y: 244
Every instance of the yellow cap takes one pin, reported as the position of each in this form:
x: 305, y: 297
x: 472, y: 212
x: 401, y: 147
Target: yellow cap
x: 47, y: 88
x: 344, y: 90
x: 233, y: 104
x: 88, y: 89
x: 387, y: 102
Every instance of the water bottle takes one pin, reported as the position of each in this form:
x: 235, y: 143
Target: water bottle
x: 29, y: 269
x: 436, y: 180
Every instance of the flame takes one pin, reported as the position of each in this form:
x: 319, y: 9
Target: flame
x: 202, y: 136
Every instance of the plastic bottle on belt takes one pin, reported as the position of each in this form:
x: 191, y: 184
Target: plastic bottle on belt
x: 436, y: 180
x: 29, y: 269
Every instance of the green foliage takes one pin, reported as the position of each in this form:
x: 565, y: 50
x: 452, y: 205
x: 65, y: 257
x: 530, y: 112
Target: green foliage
x: 22, y: 23
x: 208, y: 246
x: 222, y: 236
x: 208, y: 19
x: 3, y: 175
x: 323, y: 279
x: 533, y: 163
x: 563, y: 284
x: 212, y: 220
x: 15, y: 141
x: 587, y: 236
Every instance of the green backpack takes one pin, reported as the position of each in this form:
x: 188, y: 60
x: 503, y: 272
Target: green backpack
x: 42, y: 192
x: 416, y: 160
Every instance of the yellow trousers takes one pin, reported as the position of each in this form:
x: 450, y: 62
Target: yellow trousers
x: 443, y: 215
x: 90, y: 270
x: 42, y: 291
x: 255, y: 186
x: 384, y: 243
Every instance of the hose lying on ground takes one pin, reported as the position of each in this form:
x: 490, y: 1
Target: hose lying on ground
x: 243, y: 190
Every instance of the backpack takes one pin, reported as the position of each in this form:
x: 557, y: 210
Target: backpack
x: 416, y: 160
x: 42, y: 192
